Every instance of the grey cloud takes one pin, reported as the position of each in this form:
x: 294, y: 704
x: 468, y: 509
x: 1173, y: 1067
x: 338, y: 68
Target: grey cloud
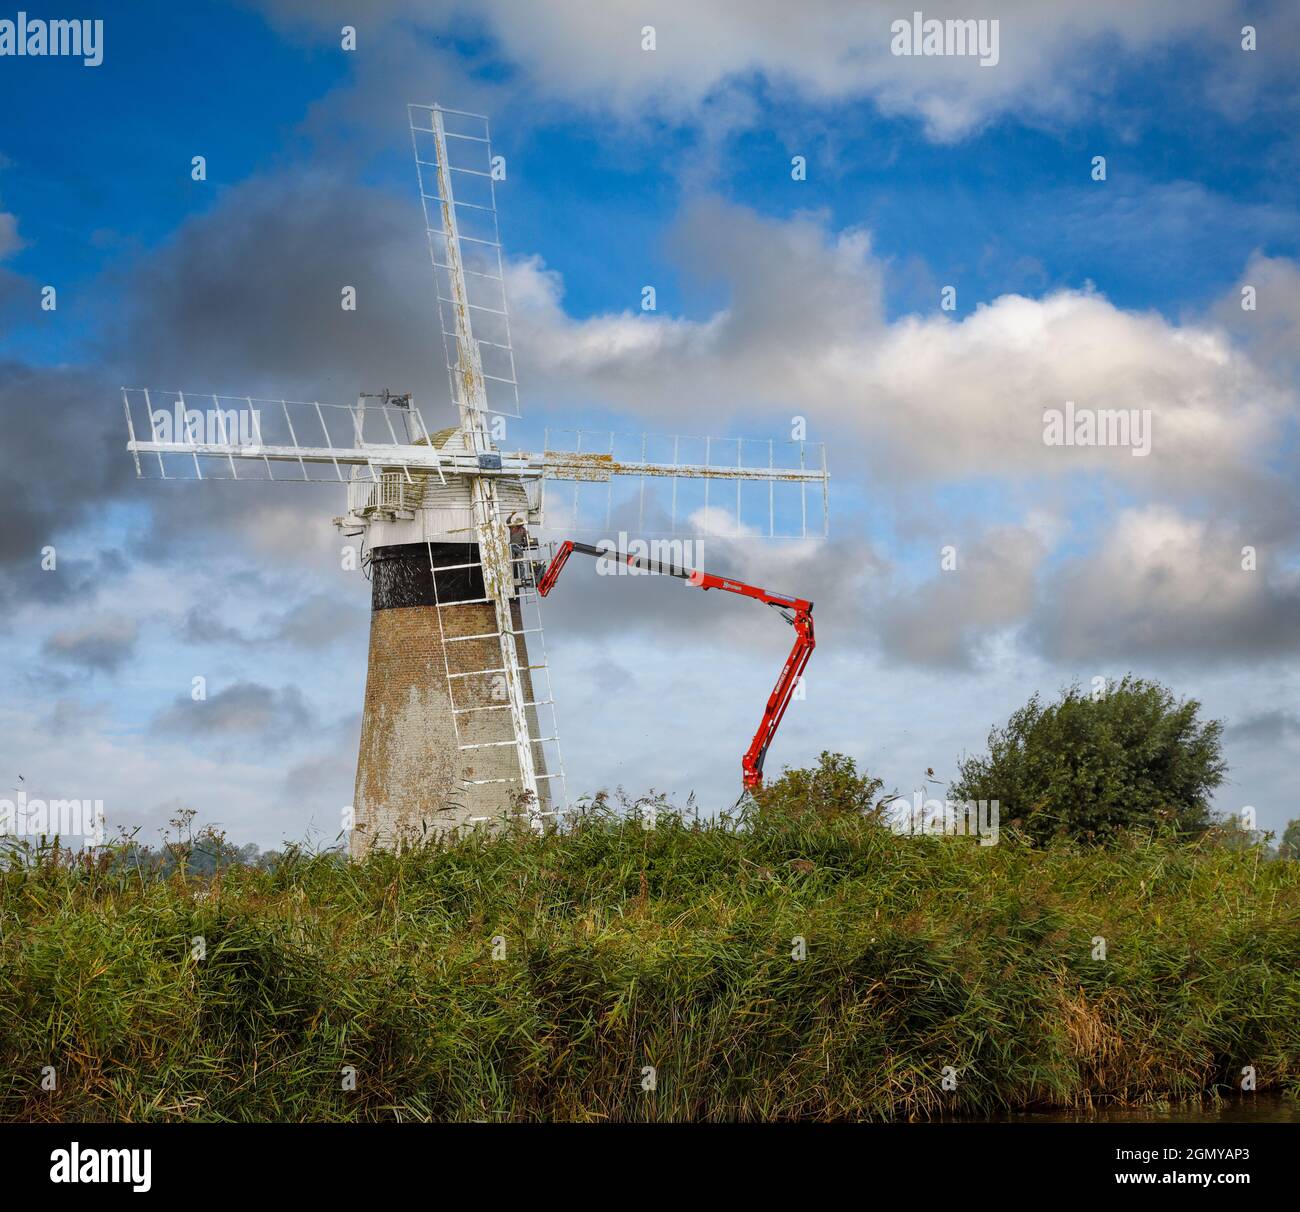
x: 797, y: 295
x: 786, y: 280
x: 102, y: 644
x: 316, y: 621
x: 10, y: 241
x: 943, y: 622
x: 634, y: 609
x: 63, y: 444
x: 72, y: 717
x: 322, y: 783
x: 1164, y: 587
x: 16, y: 297
x: 319, y: 621
x: 245, y: 710
x: 1274, y: 727
x: 1271, y: 331
x: 246, y: 297
x: 203, y: 626
x: 45, y: 680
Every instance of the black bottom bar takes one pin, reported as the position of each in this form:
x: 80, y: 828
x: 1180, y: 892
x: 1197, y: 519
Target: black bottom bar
x: 952, y: 1159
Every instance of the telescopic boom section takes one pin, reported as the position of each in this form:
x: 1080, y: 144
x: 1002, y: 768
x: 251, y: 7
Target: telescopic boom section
x: 796, y: 611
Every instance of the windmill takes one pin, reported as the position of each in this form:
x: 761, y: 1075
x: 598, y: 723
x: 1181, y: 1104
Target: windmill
x: 458, y: 725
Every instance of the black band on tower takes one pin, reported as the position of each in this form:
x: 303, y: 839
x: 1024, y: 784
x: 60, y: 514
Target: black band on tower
x: 402, y: 575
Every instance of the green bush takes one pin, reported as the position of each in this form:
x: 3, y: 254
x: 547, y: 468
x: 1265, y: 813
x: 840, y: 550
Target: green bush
x: 833, y: 788
x: 1289, y: 847
x: 1087, y: 768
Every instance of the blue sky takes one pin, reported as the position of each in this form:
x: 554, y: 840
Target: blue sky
x: 1009, y: 208
x: 669, y: 167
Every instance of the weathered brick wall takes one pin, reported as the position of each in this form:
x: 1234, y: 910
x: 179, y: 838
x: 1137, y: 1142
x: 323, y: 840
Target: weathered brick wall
x: 409, y: 770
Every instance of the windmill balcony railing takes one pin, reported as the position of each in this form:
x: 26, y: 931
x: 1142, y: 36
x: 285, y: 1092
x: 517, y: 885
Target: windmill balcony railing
x: 386, y: 493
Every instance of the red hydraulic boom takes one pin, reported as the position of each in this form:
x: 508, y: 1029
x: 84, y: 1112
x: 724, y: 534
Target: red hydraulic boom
x: 796, y: 611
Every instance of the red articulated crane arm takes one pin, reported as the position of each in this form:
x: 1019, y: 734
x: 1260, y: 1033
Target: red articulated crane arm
x: 796, y: 611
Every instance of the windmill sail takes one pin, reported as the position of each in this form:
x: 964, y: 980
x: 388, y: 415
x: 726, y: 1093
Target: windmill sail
x: 199, y: 436
x: 595, y: 480
x: 453, y: 159
x: 684, y: 485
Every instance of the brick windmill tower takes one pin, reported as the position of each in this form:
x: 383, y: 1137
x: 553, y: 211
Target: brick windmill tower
x: 458, y: 726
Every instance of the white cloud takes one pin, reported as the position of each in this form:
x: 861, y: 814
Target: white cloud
x: 1054, y: 60
x: 804, y: 332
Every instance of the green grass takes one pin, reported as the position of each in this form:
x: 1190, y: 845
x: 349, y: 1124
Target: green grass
x: 628, y: 947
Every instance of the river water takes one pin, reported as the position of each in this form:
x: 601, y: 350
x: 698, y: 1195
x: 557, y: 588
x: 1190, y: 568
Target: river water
x: 1261, y: 1108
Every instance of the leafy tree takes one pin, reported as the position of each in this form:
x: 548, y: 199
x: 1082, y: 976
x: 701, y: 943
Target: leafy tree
x: 833, y: 788
x: 1290, y: 844
x: 1132, y: 758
